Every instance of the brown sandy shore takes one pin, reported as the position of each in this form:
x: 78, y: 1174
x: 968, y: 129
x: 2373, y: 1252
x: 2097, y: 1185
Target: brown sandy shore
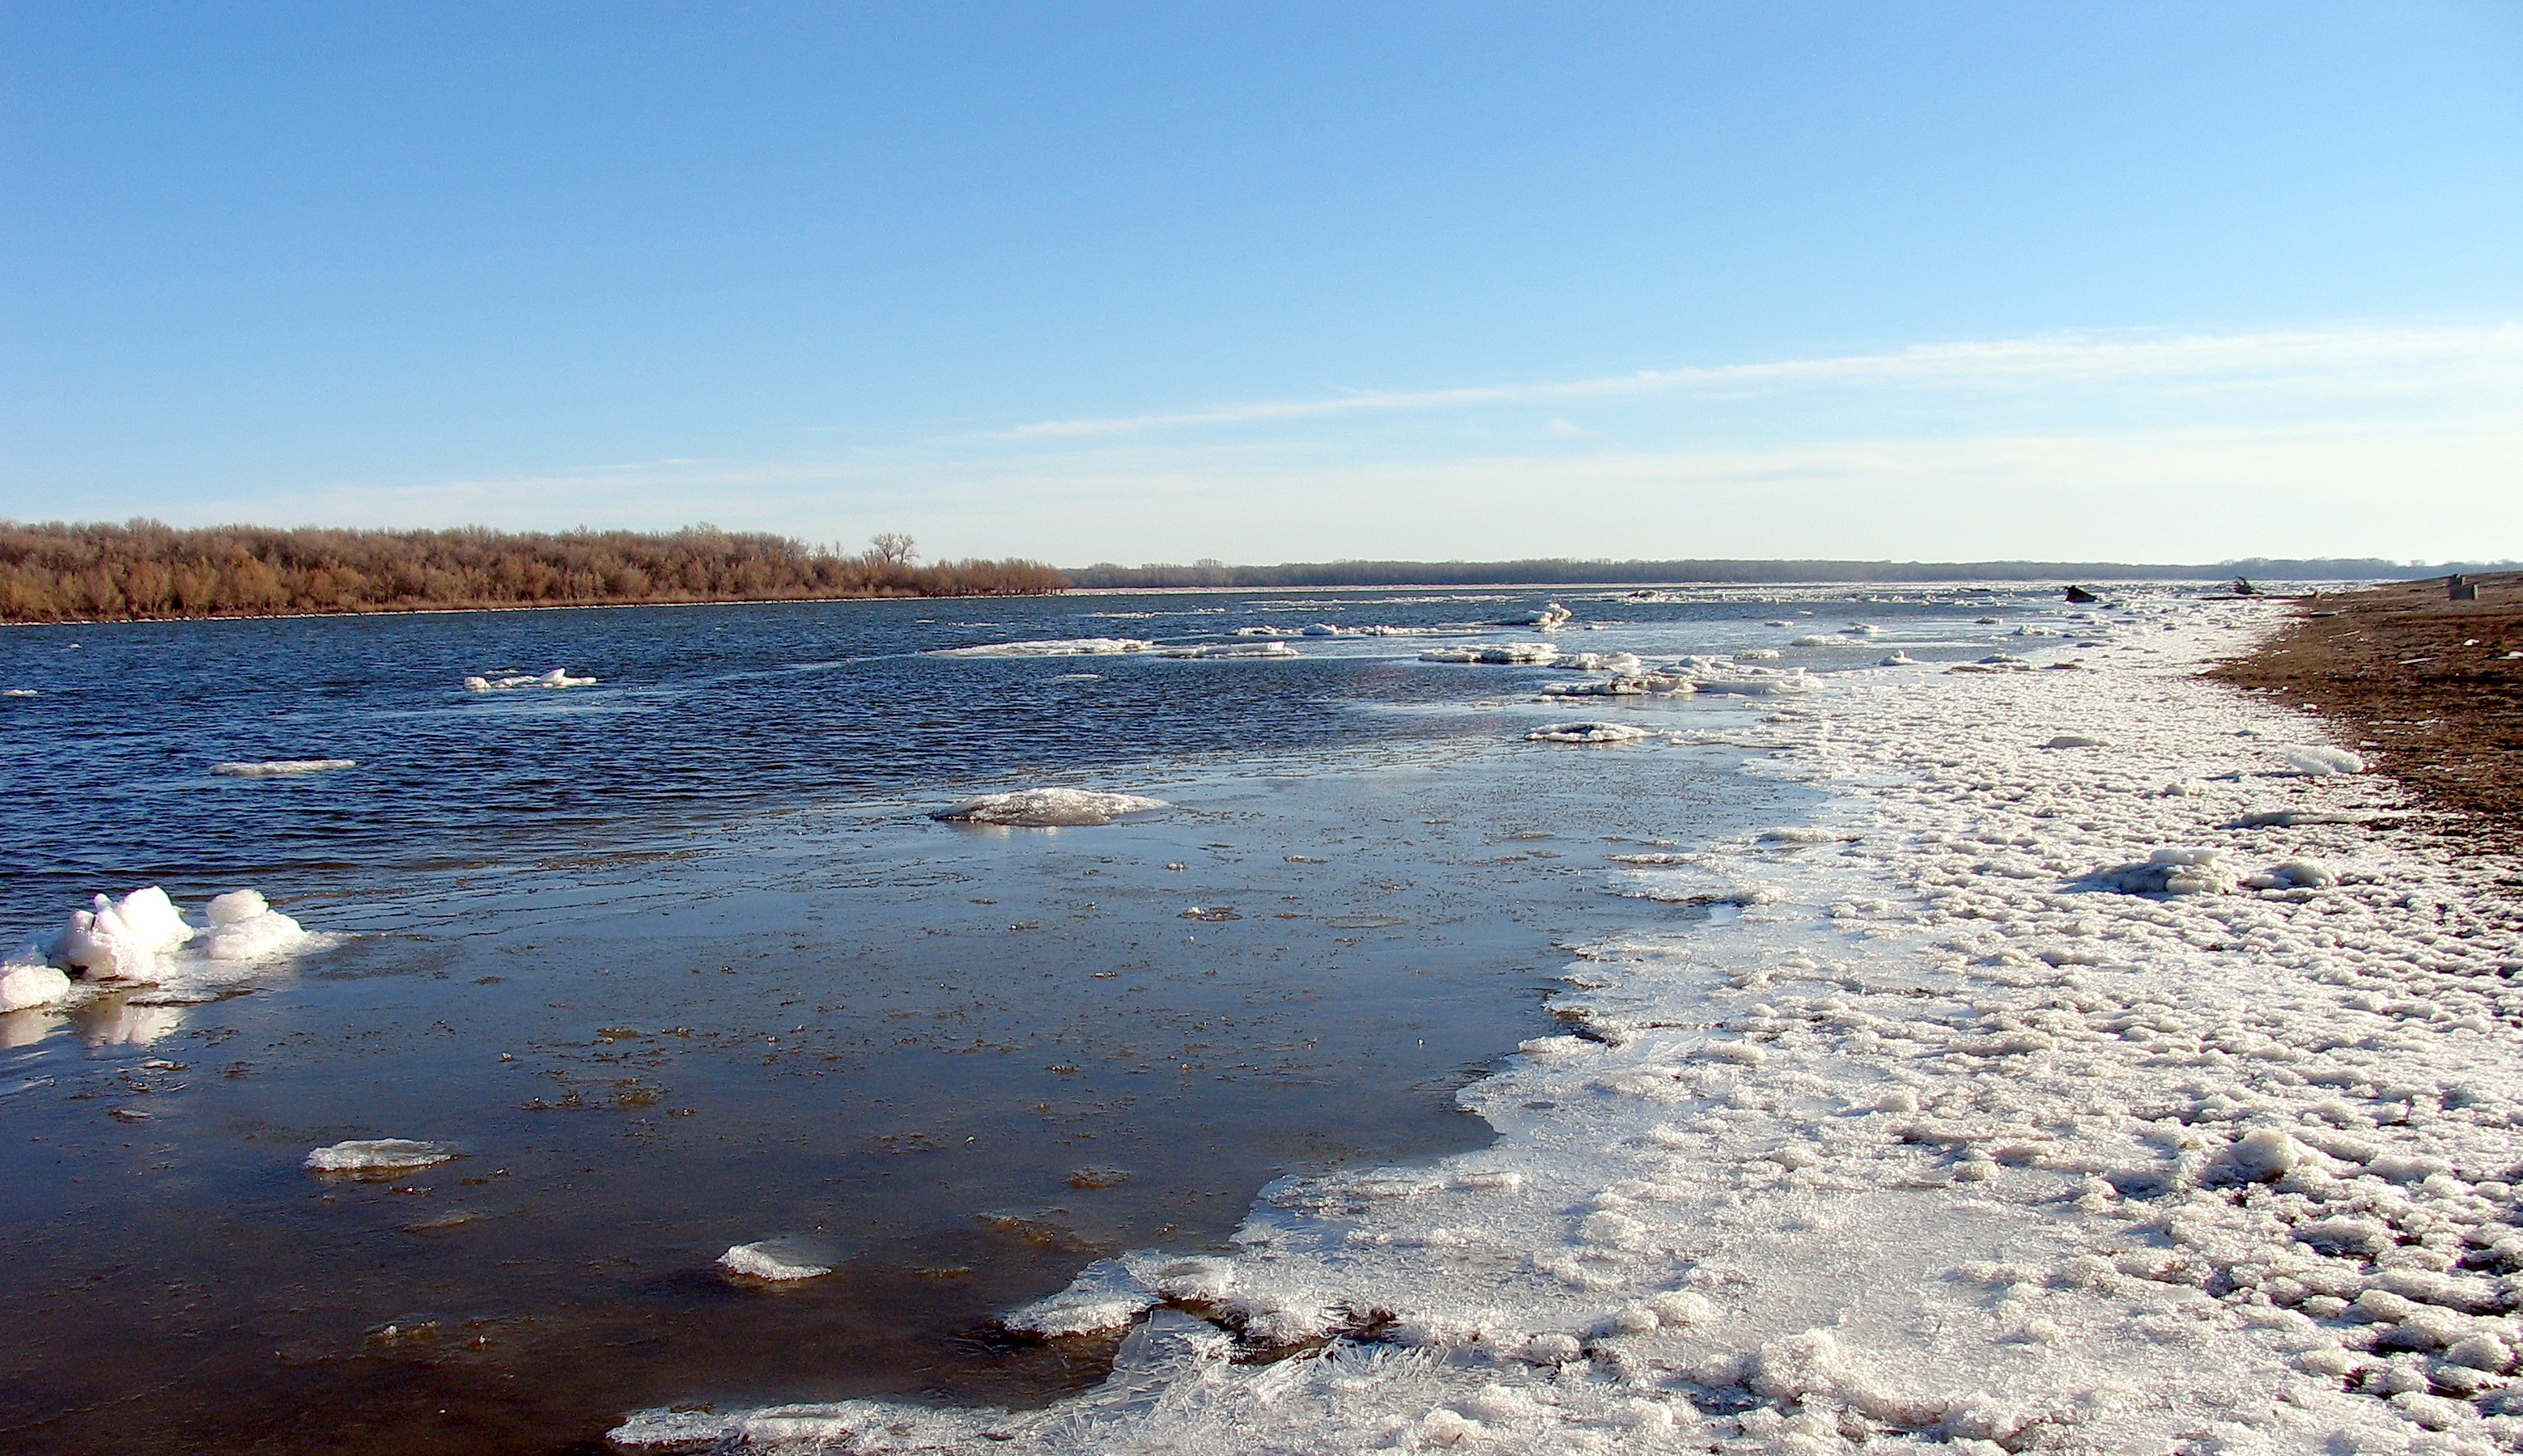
x: 2430, y: 690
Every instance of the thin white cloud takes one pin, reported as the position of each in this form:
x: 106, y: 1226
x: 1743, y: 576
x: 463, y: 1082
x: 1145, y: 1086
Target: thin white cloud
x: 2380, y: 358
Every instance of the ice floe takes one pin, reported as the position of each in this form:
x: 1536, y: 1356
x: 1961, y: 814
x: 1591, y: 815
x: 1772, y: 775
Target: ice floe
x: 279, y: 768
x: 771, y: 1259
x: 1048, y: 808
x: 377, y: 1155
x: 1493, y: 652
x: 1588, y: 733
x: 556, y: 677
x: 1231, y: 649
x: 1053, y: 647
x: 1545, y: 618
x: 142, y: 939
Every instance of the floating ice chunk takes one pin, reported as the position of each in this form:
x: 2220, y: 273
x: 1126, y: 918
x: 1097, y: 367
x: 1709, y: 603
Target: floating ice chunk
x: 1588, y: 732
x: 2295, y: 874
x: 1105, y: 1296
x: 1052, y: 647
x: 1268, y: 632
x: 1758, y: 654
x: 1820, y: 639
x: 1899, y: 659
x: 1048, y: 808
x: 1612, y: 687
x: 28, y: 693
x: 1231, y: 649
x: 2075, y: 740
x: 1757, y: 683
x: 281, y: 767
x: 250, y: 937
x: 1493, y: 652
x: 556, y: 677
x: 1549, y: 617
x: 768, y: 1260
x: 1863, y: 629
x: 1601, y: 662
x: 2318, y: 760
x: 377, y: 1155
x: 122, y: 939
x: 24, y: 985
x: 235, y: 906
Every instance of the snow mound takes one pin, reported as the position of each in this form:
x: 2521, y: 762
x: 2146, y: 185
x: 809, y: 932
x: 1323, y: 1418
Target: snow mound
x: 2170, y: 871
x: 1053, y: 647
x: 1493, y: 652
x: 1048, y: 808
x: 556, y: 677
x: 276, y: 768
x: 1588, y: 732
x: 1231, y: 649
x: 377, y: 1155
x: 764, y: 1260
x: 2326, y: 760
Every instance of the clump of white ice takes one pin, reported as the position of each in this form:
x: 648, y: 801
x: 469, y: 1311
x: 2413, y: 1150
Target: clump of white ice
x: 2318, y: 759
x: 1545, y: 618
x: 1048, y: 808
x: 377, y: 1155
x: 1053, y: 647
x: 770, y: 1259
x: 1588, y: 732
x: 25, y: 984
x: 1495, y: 652
x: 556, y: 677
x: 143, y: 938
x: 277, y: 768
x: 1231, y: 649
x: 122, y: 939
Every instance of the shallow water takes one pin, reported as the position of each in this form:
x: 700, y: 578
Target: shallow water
x: 678, y: 961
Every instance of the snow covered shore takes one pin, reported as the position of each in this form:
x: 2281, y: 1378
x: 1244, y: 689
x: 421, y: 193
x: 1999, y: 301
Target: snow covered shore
x: 1985, y: 1122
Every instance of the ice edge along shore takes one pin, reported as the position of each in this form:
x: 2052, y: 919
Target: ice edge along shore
x: 1947, y: 1139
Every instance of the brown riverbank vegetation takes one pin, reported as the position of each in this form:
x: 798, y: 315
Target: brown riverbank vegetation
x: 58, y: 572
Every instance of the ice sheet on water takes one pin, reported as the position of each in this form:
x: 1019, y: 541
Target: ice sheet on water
x: 1493, y: 652
x: 509, y: 683
x: 377, y: 1155
x: 1053, y: 647
x: 1588, y: 733
x: 1758, y: 682
x: 1048, y: 808
x: 1601, y: 662
x: 277, y: 768
x: 1246, y: 648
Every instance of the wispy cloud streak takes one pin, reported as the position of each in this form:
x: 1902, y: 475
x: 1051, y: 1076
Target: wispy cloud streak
x: 2376, y: 355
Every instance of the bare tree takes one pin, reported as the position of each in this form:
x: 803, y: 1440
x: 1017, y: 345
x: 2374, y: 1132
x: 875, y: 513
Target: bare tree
x: 893, y: 547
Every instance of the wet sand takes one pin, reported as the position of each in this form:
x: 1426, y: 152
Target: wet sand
x: 2425, y: 687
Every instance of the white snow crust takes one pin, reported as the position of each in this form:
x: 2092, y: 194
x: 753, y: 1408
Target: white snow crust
x: 1970, y: 1130
x: 1048, y: 808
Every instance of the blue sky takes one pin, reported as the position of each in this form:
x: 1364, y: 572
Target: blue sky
x: 1263, y: 282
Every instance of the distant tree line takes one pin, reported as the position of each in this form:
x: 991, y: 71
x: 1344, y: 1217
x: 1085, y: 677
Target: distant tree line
x: 55, y: 572
x: 1554, y: 570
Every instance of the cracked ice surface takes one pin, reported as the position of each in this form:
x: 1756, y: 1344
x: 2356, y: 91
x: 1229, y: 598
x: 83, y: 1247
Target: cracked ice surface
x: 1964, y: 1131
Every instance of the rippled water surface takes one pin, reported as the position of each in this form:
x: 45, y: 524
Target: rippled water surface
x: 678, y: 961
